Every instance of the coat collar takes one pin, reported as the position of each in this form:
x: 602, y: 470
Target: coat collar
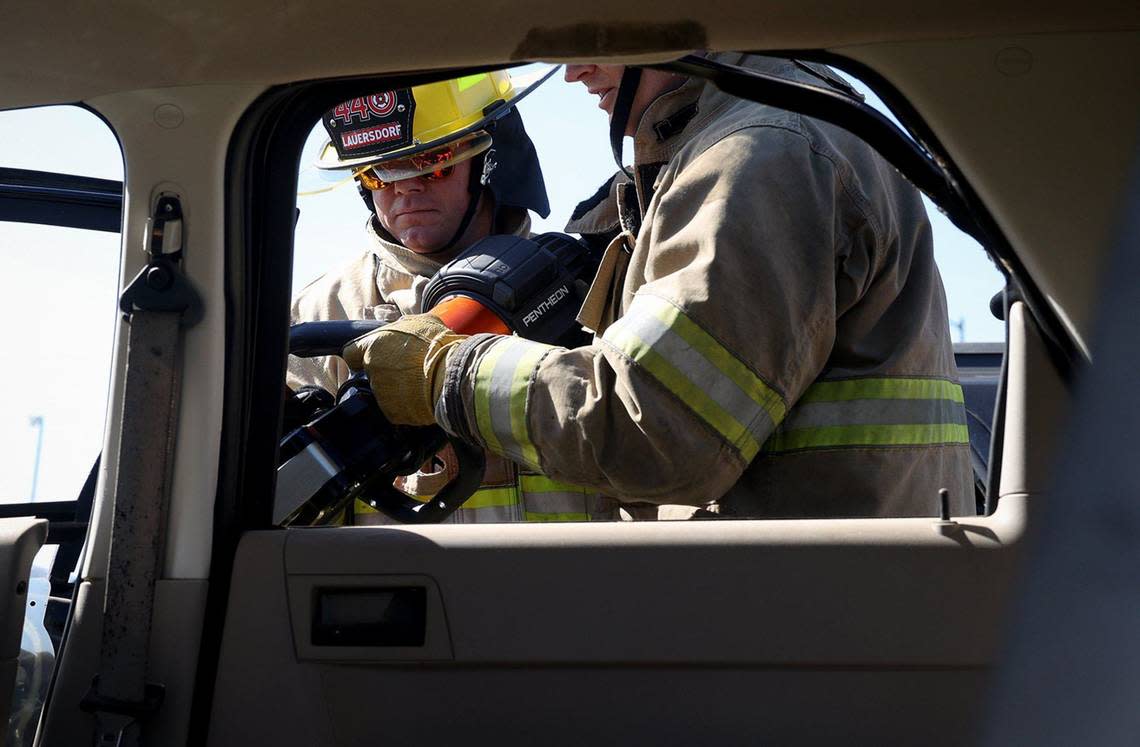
x: 667, y: 124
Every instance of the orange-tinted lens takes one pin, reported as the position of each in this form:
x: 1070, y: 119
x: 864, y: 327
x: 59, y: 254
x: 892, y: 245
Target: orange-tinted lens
x: 374, y: 183
x: 370, y: 181
x: 433, y: 163
x: 437, y: 158
x: 441, y: 173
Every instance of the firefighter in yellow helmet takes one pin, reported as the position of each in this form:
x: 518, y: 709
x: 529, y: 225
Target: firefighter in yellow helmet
x: 438, y: 163
x: 439, y: 166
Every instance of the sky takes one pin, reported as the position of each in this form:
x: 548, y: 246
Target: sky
x: 58, y: 296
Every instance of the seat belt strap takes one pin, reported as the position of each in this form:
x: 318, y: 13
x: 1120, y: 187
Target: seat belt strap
x: 158, y: 303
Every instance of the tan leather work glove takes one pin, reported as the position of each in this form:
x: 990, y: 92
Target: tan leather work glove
x: 405, y: 362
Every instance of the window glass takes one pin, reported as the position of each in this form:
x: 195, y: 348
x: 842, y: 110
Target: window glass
x: 571, y: 135
x: 59, y: 356
x: 57, y: 311
x: 34, y: 138
x: 57, y: 307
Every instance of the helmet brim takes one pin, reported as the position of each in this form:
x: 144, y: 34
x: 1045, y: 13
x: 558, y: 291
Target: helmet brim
x: 454, y: 151
x: 329, y: 159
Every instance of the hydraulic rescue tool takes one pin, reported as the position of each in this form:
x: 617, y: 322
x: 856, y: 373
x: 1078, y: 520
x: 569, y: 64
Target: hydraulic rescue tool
x: 502, y: 284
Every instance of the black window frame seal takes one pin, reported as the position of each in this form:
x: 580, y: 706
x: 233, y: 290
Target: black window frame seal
x: 54, y: 199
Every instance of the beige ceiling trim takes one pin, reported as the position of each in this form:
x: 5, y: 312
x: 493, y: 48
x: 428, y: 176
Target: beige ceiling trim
x: 49, y: 55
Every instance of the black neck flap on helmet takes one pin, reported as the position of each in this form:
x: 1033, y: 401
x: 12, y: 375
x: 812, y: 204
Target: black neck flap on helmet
x: 511, y: 169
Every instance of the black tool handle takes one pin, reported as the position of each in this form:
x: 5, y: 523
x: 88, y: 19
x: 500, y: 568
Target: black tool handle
x: 314, y: 339
x: 385, y: 498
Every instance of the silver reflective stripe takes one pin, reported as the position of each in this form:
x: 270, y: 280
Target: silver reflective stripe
x: 502, y: 380
x: 500, y: 389
x: 701, y: 372
x: 874, y: 412
x: 697, y: 368
x: 300, y: 478
x: 555, y: 502
x: 545, y: 499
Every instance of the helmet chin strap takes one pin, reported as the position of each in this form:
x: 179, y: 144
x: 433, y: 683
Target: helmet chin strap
x: 474, y: 197
x: 619, y: 121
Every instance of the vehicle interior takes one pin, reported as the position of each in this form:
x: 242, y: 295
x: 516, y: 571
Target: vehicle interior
x: 790, y: 631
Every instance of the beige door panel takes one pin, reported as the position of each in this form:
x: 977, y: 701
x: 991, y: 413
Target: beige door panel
x: 638, y: 628
x: 823, y: 631
x: 852, y: 592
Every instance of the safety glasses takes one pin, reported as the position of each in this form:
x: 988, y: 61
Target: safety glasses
x: 371, y: 181
x: 434, y: 164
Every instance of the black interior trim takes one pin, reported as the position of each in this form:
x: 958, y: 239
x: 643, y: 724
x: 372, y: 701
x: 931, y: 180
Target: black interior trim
x: 997, y: 443
x: 63, y: 524
x: 68, y: 554
x: 53, y: 199
x: 50, y: 510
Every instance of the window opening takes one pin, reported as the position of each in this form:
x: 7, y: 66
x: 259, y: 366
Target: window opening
x: 571, y: 138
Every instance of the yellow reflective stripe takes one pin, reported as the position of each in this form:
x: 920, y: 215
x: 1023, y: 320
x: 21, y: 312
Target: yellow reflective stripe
x: 868, y: 435
x: 696, y: 368
x: 883, y: 388
x: 874, y: 412
x: 532, y: 516
x: 489, y: 497
x: 502, y: 380
x: 546, y: 499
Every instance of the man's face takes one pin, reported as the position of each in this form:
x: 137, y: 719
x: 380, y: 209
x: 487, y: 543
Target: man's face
x: 423, y: 214
x: 599, y: 80
x: 603, y: 82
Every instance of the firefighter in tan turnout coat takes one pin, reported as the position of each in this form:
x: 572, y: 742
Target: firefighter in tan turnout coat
x: 771, y: 328
x: 447, y: 175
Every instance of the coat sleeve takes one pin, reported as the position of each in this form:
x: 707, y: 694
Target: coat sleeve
x: 735, y: 278
x: 348, y: 292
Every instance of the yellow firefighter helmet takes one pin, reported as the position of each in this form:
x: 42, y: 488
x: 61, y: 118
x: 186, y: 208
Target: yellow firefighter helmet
x: 410, y: 132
